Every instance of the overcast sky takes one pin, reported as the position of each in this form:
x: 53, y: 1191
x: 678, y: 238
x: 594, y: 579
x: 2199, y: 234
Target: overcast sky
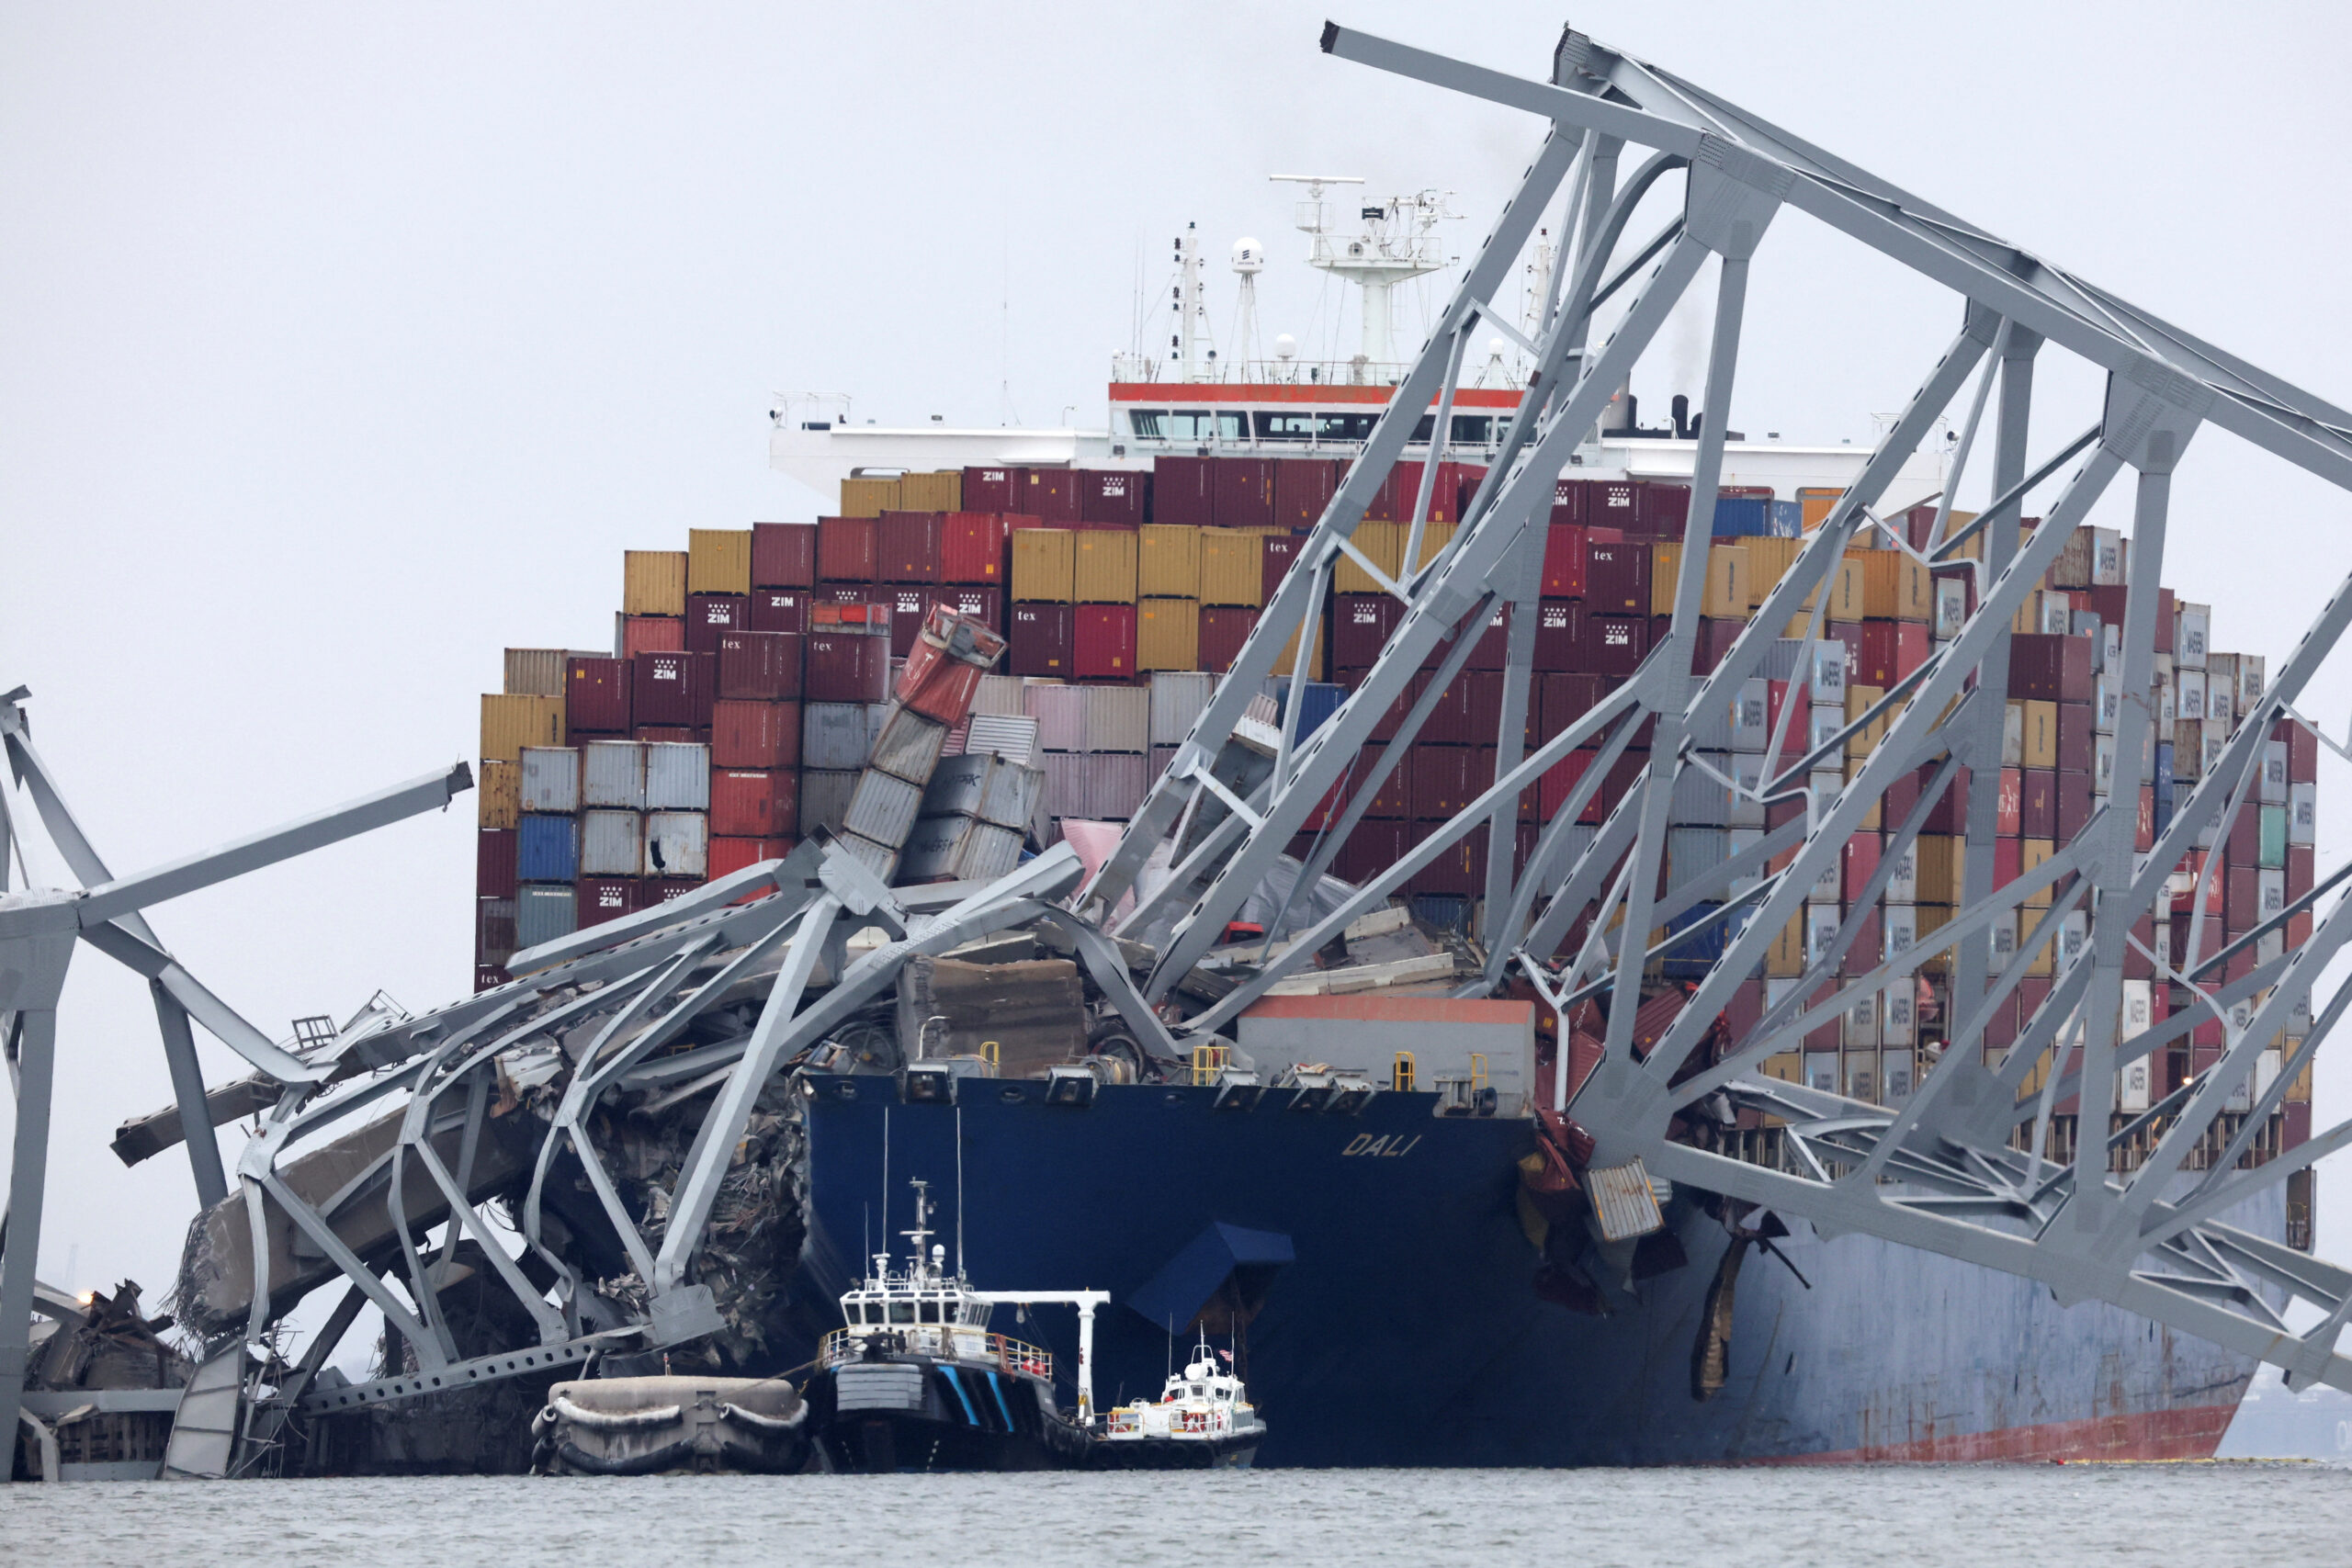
x: 341, y: 346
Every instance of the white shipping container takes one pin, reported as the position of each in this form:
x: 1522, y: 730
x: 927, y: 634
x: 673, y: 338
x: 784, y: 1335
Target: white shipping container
x: 1065, y: 791
x: 677, y: 843
x: 1898, y: 1019
x: 1952, y: 607
x: 1178, y: 697
x: 1821, y: 1071
x: 1862, y: 1076
x: 824, y: 797
x: 1902, y: 882
x: 2190, y: 623
x: 1751, y: 723
x: 1859, y: 1027
x: 1895, y: 1071
x: 2221, y: 694
x: 1117, y: 718
x: 1821, y: 923
x: 908, y: 745
x: 2109, y: 692
x: 1745, y: 809
x: 2270, y: 894
x: 832, y: 736
x: 957, y: 735
x: 1114, y: 785
x: 2106, y: 558
x: 612, y: 843
x: 1694, y: 851
x: 678, y: 778
x: 1006, y: 735
x: 2102, y: 764
x: 2004, y: 934
x: 1060, y: 713
x: 2272, y: 788
x: 2072, y: 937
x: 1899, y: 929
x: 883, y: 810
x: 1737, y: 842
x: 876, y: 716
x: 999, y: 695
x: 958, y: 849
x: 612, y: 773
x: 880, y: 859
x: 2188, y: 692
x: 2302, y: 814
x: 1829, y: 674
x: 1010, y: 799
x: 550, y: 779
x: 2057, y: 615
x: 2251, y: 669
x: 2167, y: 701
x: 544, y: 911
x: 1700, y: 800
x: 2012, y: 735
x: 959, y: 783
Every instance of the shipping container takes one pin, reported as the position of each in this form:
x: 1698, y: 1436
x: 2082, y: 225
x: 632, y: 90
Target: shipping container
x: 1303, y: 488
x: 1118, y: 496
x: 549, y: 779
x: 546, y: 848
x: 1112, y: 785
x: 494, y: 930
x: 942, y: 491
x: 677, y: 843
x: 710, y: 616
x: 673, y: 688
x: 612, y: 843
x: 834, y: 736
x: 958, y: 849
x: 971, y: 549
x: 759, y: 666
x: 678, y: 778
x: 756, y: 734
x: 1060, y: 714
x: 612, y: 775
x: 597, y: 700
x: 718, y: 560
x: 778, y: 610
x: 602, y: 898
x: 882, y: 808
x: 1104, y: 642
x: 990, y: 490
x: 1103, y: 566
x: 652, y: 634
x: 1224, y: 629
x: 1167, y: 635
x: 543, y: 913
x: 910, y: 544
x: 1049, y: 493
x: 868, y: 498
x: 496, y: 853
x: 824, y: 797
x: 908, y: 745
x: 1182, y: 491
x: 1230, y: 570
x: 1176, y: 700
x: 783, y: 555
x: 845, y: 664
x: 755, y: 803
x: 1045, y: 565
x: 499, y: 796
x: 1014, y: 736
x: 1042, y: 640
x: 508, y: 723
x: 1065, y: 790
x: 993, y: 788
x: 653, y: 583
x: 535, y: 672
x: 729, y: 854
x: 1115, y: 719
x: 849, y: 549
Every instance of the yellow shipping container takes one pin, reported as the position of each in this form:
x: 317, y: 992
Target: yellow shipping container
x: 1860, y: 700
x: 2299, y: 1092
x: 1896, y: 588
x: 535, y: 672
x: 1288, y: 658
x: 1231, y: 572
x: 1045, y: 566
x: 1435, y: 537
x: 2031, y: 853
x: 501, y: 804
x: 1105, y: 566
x: 941, y: 492
x: 1168, y: 562
x: 653, y: 583
x: 1768, y: 561
x: 869, y: 498
x: 508, y: 723
x: 1847, y: 594
x: 1869, y: 823
x: 1727, y: 594
x: 1813, y: 505
x: 1939, y: 858
x: 2040, y: 746
x: 1786, y: 961
x: 1665, y: 567
x: 718, y: 560
x: 1383, y: 544
x: 1167, y: 634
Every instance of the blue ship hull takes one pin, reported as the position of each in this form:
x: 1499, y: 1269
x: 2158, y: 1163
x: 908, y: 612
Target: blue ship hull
x: 1409, y: 1270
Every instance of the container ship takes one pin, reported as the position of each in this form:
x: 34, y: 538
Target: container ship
x: 1341, y: 1228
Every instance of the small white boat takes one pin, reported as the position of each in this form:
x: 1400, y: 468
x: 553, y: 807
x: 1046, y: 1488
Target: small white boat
x: 1203, y: 1420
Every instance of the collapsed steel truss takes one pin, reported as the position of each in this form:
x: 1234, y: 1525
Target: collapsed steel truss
x: 1938, y: 1173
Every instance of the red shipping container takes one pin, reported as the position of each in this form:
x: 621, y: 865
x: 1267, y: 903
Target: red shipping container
x: 1912, y: 645
x: 910, y: 544
x: 783, y: 555
x: 1950, y: 813
x: 1617, y: 576
x: 1567, y: 503
x: 1609, y: 503
x: 1563, y: 569
x: 1459, y: 870
x: 1360, y: 626
x: 755, y: 803
x: 733, y: 855
x: 985, y: 605
x: 908, y: 608
x: 1393, y: 498
x: 596, y: 899
x: 2051, y: 668
x: 1716, y: 637
x: 1122, y: 496
x: 1103, y: 643
x: 759, y: 666
x: 1858, y: 861
x: 710, y: 614
x: 936, y: 686
x: 1453, y: 719
x: 1459, y: 481
x: 778, y: 610
x: 1616, y: 645
x: 848, y: 549
x: 1224, y: 629
x: 2077, y: 738
x: 991, y: 489
x: 1303, y: 487
x: 1183, y: 491
x: 1394, y: 797
x: 1553, y: 789
x: 1275, y: 553
x: 1383, y: 729
x: 1243, y: 492
x: 680, y: 734
x: 494, y: 853
x: 1875, y: 664
x: 1661, y: 511
x: 596, y: 694
x: 2009, y: 810
x: 1566, y: 697
x: 1372, y: 848
x: 754, y: 735
x: 2037, y: 802
x: 857, y: 596
x: 1049, y: 493
x: 2008, y: 861
x: 1042, y: 640
x: 971, y: 549
x: 1492, y: 650
x: 844, y: 664
x: 1559, y: 634
x: 674, y: 689
x: 2302, y: 750
x: 652, y: 634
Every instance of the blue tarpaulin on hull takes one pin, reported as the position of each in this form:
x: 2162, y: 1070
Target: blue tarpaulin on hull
x: 1188, y: 1281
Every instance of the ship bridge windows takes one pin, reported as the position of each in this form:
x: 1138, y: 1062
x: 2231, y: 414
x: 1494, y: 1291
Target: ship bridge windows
x: 1312, y: 425
x: 1469, y: 429
x: 902, y: 1311
x: 1188, y: 424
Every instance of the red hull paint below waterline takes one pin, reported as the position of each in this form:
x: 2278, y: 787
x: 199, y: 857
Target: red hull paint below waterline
x: 2190, y: 1433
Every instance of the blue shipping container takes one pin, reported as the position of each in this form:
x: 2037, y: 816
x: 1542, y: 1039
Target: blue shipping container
x: 546, y: 848
x: 1317, y: 702
x: 1741, y: 517
x: 1787, y: 520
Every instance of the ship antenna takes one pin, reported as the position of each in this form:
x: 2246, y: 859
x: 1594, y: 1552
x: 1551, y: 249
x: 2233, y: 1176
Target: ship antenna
x: 960, y: 1192
x: 886, y: 1176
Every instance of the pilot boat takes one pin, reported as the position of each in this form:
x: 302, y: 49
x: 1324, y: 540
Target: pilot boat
x: 1203, y: 1420
x: 915, y: 1381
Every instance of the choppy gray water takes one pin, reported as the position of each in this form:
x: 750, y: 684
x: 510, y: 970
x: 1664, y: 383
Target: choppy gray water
x: 2266, y: 1514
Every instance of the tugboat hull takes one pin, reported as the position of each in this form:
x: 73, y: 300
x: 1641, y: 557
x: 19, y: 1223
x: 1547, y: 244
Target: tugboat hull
x: 918, y: 1416
x: 1177, y: 1453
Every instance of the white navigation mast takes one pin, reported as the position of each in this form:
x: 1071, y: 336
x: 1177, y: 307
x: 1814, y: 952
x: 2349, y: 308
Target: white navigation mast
x: 1399, y: 242
x: 1195, y: 350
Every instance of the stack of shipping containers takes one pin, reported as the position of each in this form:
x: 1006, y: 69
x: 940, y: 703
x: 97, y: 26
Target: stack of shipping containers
x: 752, y: 676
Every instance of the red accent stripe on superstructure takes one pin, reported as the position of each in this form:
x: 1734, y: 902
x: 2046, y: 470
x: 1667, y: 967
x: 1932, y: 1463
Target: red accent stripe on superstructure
x: 1175, y: 394
x: 2190, y: 1432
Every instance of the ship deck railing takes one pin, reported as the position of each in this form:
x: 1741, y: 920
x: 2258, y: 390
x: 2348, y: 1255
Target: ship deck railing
x: 946, y: 1341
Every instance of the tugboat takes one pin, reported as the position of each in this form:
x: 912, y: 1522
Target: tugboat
x: 1203, y: 1421
x: 915, y: 1382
